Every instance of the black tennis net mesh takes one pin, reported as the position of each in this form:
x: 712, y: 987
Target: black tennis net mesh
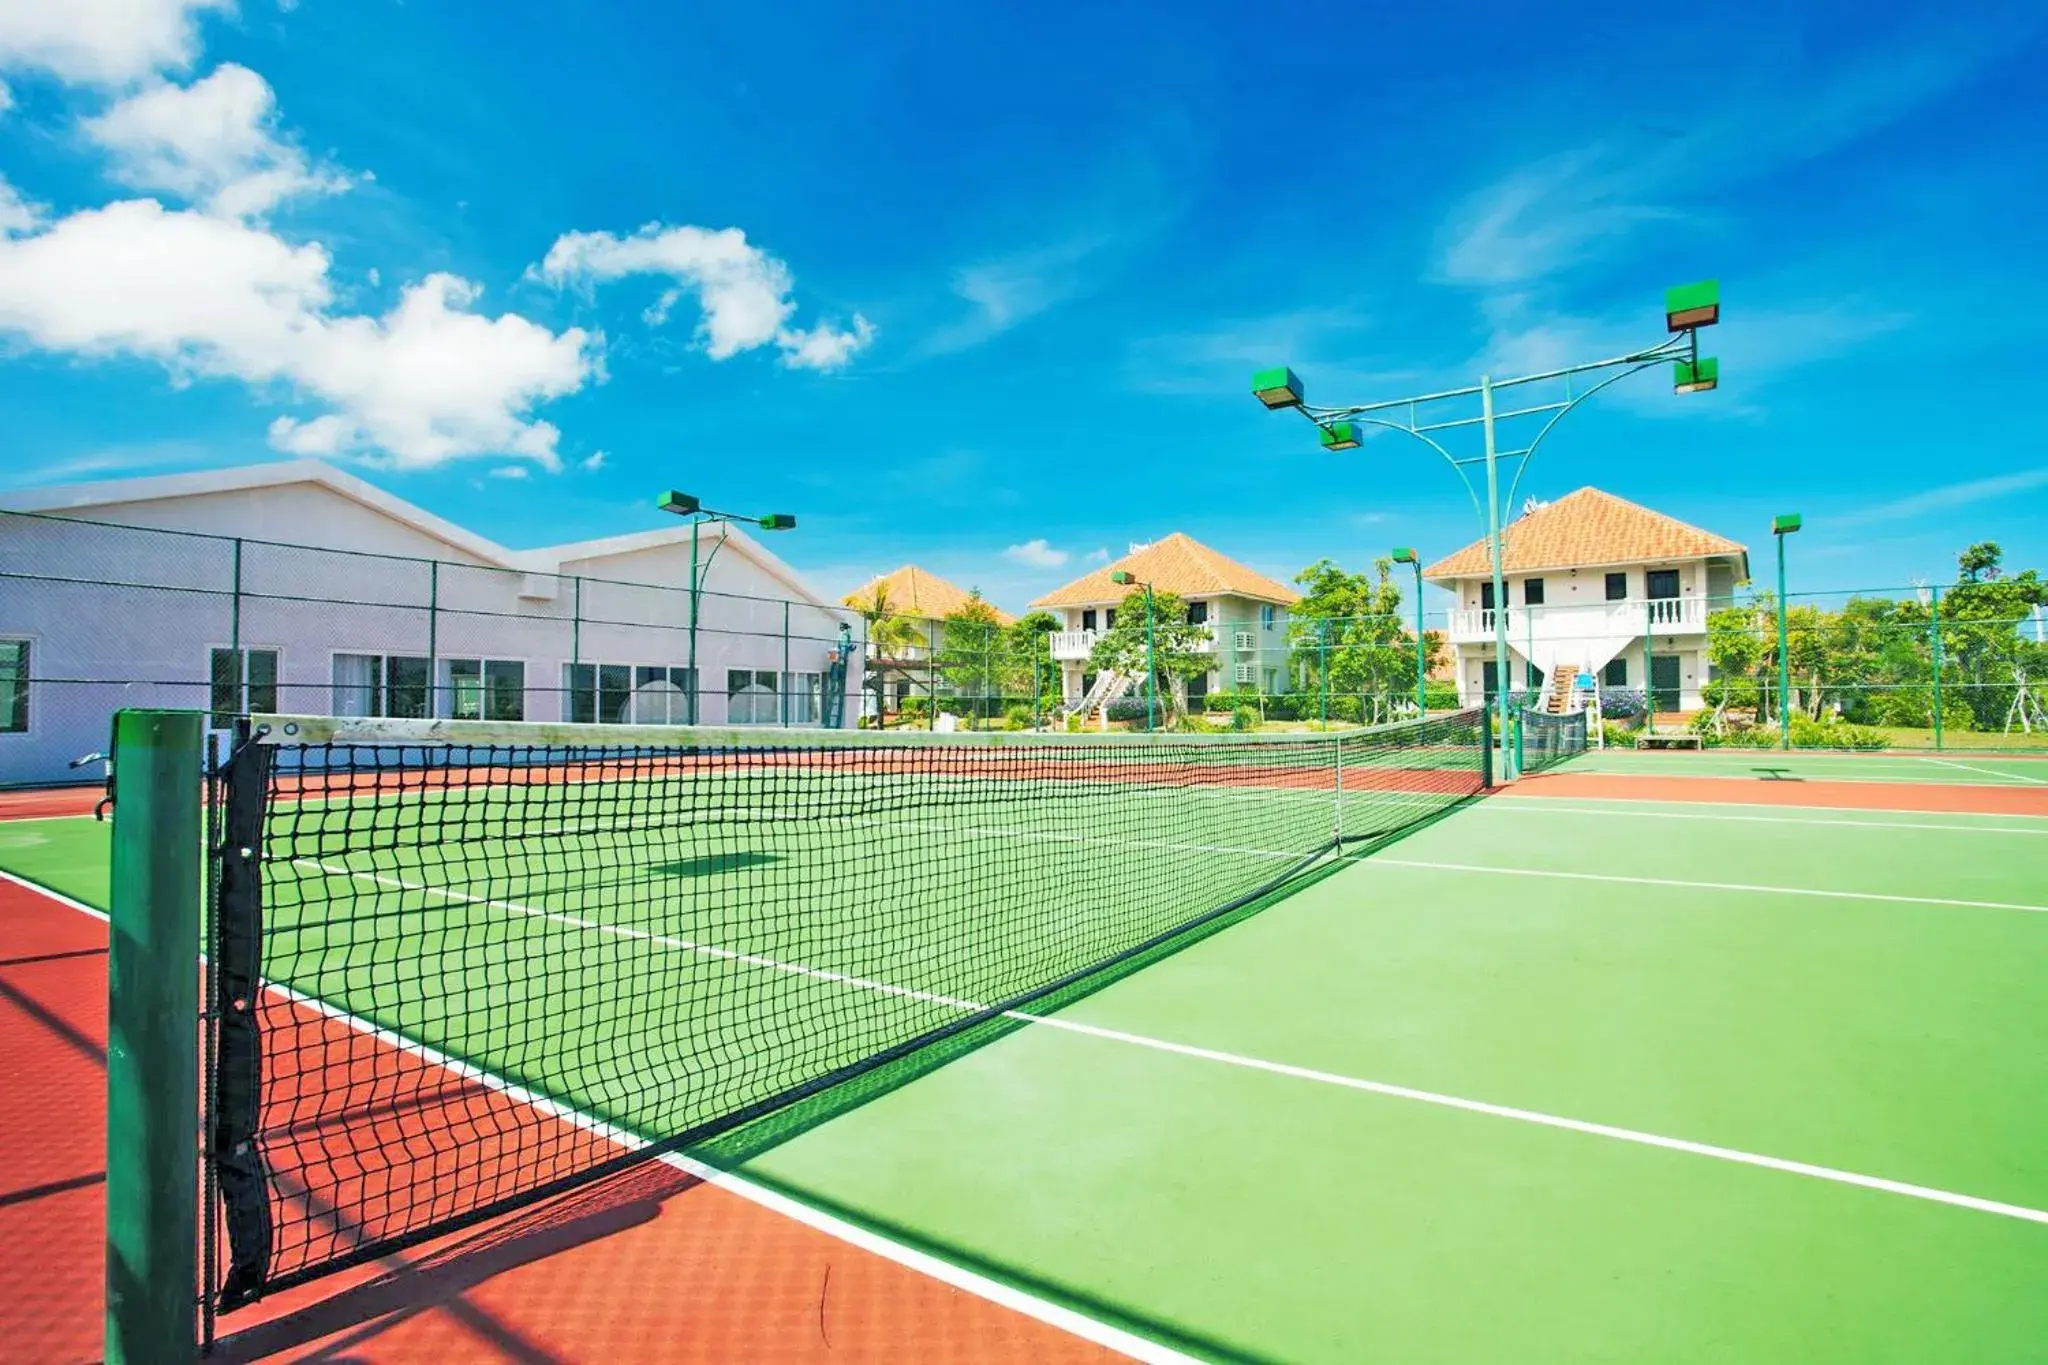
x: 1548, y: 740
x: 457, y: 972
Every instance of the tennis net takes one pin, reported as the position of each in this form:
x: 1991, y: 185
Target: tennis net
x: 1548, y: 740
x: 461, y: 966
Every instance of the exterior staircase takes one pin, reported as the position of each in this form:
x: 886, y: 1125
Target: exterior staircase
x: 1557, y: 695
x: 1109, y: 685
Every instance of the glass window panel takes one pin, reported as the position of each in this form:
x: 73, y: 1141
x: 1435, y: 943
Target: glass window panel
x: 14, y: 656
x: 504, y: 690
x: 1617, y: 587
x: 614, y: 693
x: 406, y: 683
x: 582, y: 689
x: 262, y: 690
x: 358, y: 685
x: 225, y: 692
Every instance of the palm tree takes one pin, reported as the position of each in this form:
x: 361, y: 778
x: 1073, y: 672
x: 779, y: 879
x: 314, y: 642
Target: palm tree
x: 887, y: 632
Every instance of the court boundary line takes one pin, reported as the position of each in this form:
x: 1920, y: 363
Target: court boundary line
x: 2006, y: 780
x: 1830, y: 1174
x: 1781, y: 815
x: 1822, y: 892
x: 1047, y: 1311
x: 1992, y: 772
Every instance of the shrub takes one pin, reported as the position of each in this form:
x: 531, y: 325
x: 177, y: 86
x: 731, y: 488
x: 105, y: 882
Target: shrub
x: 1132, y: 708
x: 1244, y: 718
x: 1808, y: 733
x: 1347, y: 708
x: 1616, y: 736
x: 1017, y: 716
x: 915, y: 708
x: 1197, y: 725
x: 1440, y: 696
x: 1621, y: 703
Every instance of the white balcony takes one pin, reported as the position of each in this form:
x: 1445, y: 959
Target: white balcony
x: 1584, y: 636
x: 1074, y: 646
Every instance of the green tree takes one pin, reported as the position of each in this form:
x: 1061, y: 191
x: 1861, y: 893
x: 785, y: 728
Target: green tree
x: 1179, y: 650
x: 1030, y: 672
x: 973, y: 654
x: 1346, y: 630
x: 1983, y: 620
x: 890, y: 635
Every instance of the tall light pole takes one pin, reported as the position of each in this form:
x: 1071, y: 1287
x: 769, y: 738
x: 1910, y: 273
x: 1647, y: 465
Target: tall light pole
x: 683, y: 505
x: 1780, y: 528
x: 1405, y: 554
x: 1686, y: 310
x: 1124, y: 579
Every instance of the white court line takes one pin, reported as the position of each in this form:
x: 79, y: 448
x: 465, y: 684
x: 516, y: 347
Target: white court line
x: 1927, y: 1193
x: 2001, y: 775
x: 1563, y: 806
x: 1043, y: 1310
x: 1383, y: 861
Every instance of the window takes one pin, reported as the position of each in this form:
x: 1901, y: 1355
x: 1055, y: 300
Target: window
x: 1245, y: 673
x: 1532, y: 592
x: 1266, y: 616
x: 1109, y: 618
x: 1663, y: 584
x: 1486, y: 595
x: 380, y: 685
x: 628, y: 694
x: 1198, y: 687
x: 13, y: 687
x: 1617, y: 587
x: 484, y: 689
x: 806, y: 699
x: 1615, y: 674
x: 243, y: 681
x: 1198, y: 613
x: 1534, y: 677
x: 1088, y: 619
x: 750, y: 697
x: 1244, y: 640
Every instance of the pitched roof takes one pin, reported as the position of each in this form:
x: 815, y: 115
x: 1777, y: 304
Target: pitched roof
x: 1179, y: 564
x: 919, y: 594
x: 80, y: 499
x: 1588, y: 528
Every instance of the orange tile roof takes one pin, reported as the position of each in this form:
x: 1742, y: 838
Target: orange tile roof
x: 1585, y: 529
x: 1179, y: 564
x: 917, y: 594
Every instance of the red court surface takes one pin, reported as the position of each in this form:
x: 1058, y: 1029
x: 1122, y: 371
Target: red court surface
x: 1932, y: 797
x: 40, y: 802
x: 650, y: 1265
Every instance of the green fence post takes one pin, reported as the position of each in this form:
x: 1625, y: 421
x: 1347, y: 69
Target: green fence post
x: 1486, y: 746
x: 433, y: 635
x: 782, y: 710
x: 152, y: 1232
x: 1934, y: 630
x: 1520, y: 763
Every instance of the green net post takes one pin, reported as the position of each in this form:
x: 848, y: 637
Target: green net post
x: 1521, y: 759
x: 153, y: 1040
x: 1486, y: 747
x: 1934, y: 632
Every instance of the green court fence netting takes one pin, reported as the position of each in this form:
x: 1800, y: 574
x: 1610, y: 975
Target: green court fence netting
x: 460, y: 966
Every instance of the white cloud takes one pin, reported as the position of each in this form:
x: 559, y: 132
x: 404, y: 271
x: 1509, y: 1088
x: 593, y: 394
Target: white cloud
x: 1004, y: 292
x: 1543, y: 218
x: 17, y: 215
x: 509, y: 471
x: 213, y: 142
x: 103, y: 42
x: 593, y: 461
x: 6, y: 98
x: 1946, y: 496
x: 429, y: 381
x: 742, y: 292
x: 1099, y: 555
x: 1036, y: 553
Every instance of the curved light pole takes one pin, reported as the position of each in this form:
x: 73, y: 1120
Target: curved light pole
x: 684, y: 505
x: 1686, y: 310
x: 1405, y: 554
x: 1123, y: 578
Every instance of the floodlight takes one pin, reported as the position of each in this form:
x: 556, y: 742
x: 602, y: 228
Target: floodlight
x: 1696, y: 376
x: 1404, y: 554
x: 1120, y: 577
x: 1277, y: 387
x: 1785, y: 525
x: 1692, y: 305
x: 1342, y: 436
x: 777, y: 521
x: 682, y: 504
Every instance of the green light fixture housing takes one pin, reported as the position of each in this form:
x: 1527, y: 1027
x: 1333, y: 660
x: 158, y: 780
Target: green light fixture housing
x: 1696, y: 376
x: 1404, y: 554
x: 1121, y: 577
x: 1342, y: 436
x: 1692, y: 305
x: 777, y: 521
x: 682, y: 504
x: 1279, y: 387
x: 1785, y: 525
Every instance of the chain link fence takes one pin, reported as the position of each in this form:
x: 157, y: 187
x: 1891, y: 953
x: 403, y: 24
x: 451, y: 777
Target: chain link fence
x: 95, y: 617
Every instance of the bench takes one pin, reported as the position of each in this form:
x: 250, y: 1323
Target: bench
x: 1668, y: 739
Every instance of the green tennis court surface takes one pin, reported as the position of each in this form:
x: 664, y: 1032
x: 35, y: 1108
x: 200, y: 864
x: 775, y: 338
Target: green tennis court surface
x: 1966, y: 768
x: 1546, y: 1080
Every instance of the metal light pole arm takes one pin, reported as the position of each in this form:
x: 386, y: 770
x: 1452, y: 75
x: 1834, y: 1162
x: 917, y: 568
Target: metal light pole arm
x: 1558, y: 416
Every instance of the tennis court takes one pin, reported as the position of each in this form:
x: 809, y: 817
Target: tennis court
x: 1546, y: 1078
x: 1971, y: 768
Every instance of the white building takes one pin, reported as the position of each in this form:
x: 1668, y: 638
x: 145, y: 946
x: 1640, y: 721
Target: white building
x: 296, y: 587
x: 1246, y: 613
x: 1594, y: 583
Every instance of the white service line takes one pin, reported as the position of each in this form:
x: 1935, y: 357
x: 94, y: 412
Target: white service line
x: 1052, y: 1314
x: 1989, y: 772
x: 1554, y: 805
x: 1631, y: 1135
x: 1381, y: 860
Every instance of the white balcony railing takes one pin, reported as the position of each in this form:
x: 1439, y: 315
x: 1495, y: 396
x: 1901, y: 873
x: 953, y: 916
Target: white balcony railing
x: 1073, y: 646
x: 1558, y: 625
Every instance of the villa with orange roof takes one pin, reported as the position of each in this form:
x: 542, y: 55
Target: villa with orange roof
x: 1595, y: 584
x: 920, y: 601
x: 1251, y: 608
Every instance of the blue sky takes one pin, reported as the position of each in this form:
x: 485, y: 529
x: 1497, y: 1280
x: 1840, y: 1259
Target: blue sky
x: 982, y: 288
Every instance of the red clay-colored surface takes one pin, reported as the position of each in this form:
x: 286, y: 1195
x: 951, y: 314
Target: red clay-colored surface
x: 646, y: 1266
x: 1941, y: 798
x: 47, y: 801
